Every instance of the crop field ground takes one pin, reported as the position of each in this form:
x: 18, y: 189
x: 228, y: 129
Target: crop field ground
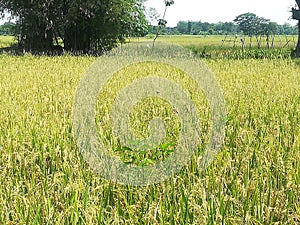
x: 254, y: 179
x: 230, y: 46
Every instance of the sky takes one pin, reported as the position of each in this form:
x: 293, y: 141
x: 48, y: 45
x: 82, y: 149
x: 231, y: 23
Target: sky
x: 221, y: 10
x: 214, y: 11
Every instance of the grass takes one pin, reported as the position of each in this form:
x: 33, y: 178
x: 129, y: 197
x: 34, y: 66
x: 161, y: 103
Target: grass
x: 5, y: 41
x: 255, y: 179
x: 146, y: 110
x: 229, y: 47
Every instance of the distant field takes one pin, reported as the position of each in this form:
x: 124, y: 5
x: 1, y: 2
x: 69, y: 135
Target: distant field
x: 227, y: 40
x: 213, y: 43
x: 232, y: 47
x: 255, y: 178
x: 6, y: 41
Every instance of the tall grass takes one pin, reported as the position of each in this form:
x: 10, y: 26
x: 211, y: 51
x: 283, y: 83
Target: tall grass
x: 6, y: 41
x: 231, y: 47
x: 255, y: 178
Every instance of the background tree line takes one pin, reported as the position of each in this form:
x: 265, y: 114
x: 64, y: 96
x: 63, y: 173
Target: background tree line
x: 7, y: 28
x: 248, y: 24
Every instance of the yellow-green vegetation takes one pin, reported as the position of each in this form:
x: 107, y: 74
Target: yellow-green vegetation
x: 216, y: 40
x: 146, y: 110
x: 255, y: 178
x: 231, y: 47
x: 6, y: 41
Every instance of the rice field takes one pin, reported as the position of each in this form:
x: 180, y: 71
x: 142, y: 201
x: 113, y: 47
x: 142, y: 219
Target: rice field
x: 254, y: 179
x: 217, y: 40
x: 232, y: 47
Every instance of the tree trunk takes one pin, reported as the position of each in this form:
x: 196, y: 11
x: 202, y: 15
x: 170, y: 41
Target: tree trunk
x: 297, y: 51
x: 268, y: 41
x: 37, y: 41
x: 76, y: 39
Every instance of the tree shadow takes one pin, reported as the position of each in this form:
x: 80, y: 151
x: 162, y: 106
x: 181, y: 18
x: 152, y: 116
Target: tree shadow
x: 55, y: 50
x: 15, y: 50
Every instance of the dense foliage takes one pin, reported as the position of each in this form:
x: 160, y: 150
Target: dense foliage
x: 250, y: 24
x: 84, y: 26
x: 220, y: 28
x: 7, y: 28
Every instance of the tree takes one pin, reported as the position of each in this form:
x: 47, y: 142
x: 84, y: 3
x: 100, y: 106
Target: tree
x: 296, y: 16
x: 247, y: 23
x: 182, y: 27
x: 251, y: 24
x: 83, y: 26
x: 230, y: 28
x: 7, y: 28
x: 287, y: 29
x: 190, y: 27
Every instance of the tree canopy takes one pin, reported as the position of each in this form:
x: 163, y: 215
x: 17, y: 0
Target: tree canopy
x: 224, y: 28
x: 7, y: 28
x: 250, y: 24
x: 81, y: 25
